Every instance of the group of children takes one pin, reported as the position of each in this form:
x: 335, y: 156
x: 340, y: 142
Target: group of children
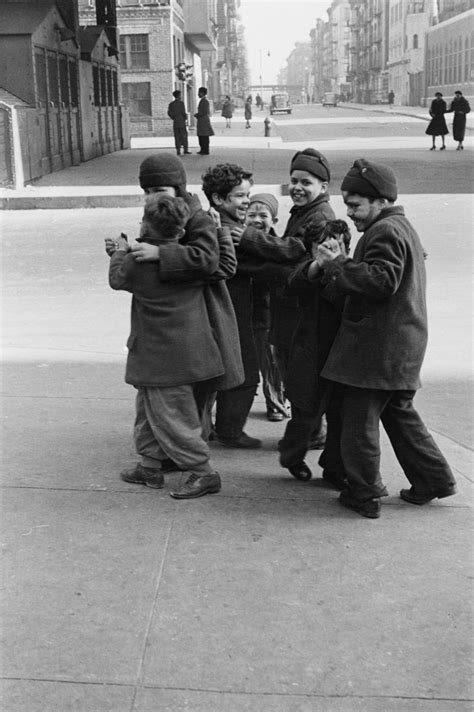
x: 219, y: 298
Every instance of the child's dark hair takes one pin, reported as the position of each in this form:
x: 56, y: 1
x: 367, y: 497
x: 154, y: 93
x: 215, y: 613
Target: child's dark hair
x: 222, y: 178
x: 333, y: 228
x: 166, y: 214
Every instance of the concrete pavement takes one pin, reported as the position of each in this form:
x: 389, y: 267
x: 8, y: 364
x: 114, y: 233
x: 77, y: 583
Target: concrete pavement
x: 268, y: 597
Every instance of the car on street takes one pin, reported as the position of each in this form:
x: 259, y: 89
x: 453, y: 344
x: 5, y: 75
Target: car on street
x: 329, y: 99
x: 280, y: 102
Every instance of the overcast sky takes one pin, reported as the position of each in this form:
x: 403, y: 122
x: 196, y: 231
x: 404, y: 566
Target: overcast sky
x: 275, y: 26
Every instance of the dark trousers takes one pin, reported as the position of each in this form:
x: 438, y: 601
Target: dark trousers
x: 300, y: 429
x: 181, y: 138
x: 204, y: 144
x: 232, y: 410
x: 420, y: 458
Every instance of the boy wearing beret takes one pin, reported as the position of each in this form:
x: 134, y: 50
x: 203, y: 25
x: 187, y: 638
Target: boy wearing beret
x: 378, y: 351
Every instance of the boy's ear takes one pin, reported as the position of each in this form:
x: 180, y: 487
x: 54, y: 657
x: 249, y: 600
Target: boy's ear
x: 217, y: 199
x: 275, y: 220
x: 324, y: 186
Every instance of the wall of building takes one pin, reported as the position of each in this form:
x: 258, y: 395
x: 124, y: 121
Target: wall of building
x: 17, y: 67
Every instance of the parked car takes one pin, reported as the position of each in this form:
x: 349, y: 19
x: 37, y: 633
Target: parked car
x: 280, y: 103
x: 329, y: 99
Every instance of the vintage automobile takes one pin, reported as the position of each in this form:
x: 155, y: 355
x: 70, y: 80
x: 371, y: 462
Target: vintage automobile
x: 329, y: 99
x: 280, y: 102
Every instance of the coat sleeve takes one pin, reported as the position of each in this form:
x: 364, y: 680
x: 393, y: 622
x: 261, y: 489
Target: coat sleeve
x: 377, y: 276
x: 271, y: 247
x: 196, y: 256
x: 120, y: 271
x: 227, y: 266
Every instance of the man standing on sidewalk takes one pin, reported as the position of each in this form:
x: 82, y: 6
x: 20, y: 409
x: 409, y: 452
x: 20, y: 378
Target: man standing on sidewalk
x: 379, y: 349
x: 203, y: 127
x: 177, y: 113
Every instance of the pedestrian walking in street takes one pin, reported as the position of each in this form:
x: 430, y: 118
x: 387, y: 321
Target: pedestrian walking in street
x: 227, y: 111
x: 204, y: 128
x: 437, y: 125
x: 177, y: 113
x: 391, y: 98
x: 263, y: 215
x: 259, y: 102
x: 378, y: 351
x: 200, y: 254
x: 460, y: 107
x: 248, y: 111
x: 311, y: 396
x: 170, y: 348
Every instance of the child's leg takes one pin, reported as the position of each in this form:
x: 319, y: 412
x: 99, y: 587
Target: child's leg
x: 146, y: 444
x: 173, y: 418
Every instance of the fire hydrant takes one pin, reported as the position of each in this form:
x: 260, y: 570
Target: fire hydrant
x: 268, y: 125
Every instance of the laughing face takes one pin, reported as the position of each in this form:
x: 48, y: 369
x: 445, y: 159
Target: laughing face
x: 362, y: 210
x: 236, y: 203
x: 305, y: 187
x: 260, y: 217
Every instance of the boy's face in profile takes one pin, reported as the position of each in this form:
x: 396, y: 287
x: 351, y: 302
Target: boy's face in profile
x: 236, y: 202
x: 260, y: 217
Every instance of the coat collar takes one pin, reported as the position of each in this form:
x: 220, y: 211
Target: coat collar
x: 302, y: 209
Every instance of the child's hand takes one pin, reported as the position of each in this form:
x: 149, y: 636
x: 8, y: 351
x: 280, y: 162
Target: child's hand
x: 236, y: 233
x: 327, y: 251
x: 120, y: 243
x: 144, y: 252
x: 212, y: 212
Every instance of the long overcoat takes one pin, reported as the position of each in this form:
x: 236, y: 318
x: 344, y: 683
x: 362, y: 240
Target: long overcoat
x: 383, y: 334
x: 437, y: 125
x: 203, y: 116
x: 171, y: 341
x: 200, y: 254
x: 460, y: 106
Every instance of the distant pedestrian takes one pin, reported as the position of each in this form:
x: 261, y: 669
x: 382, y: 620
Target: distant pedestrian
x: 391, y: 97
x: 437, y: 125
x: 259, y: 102
x: 378, y: 351
x: 460, y: 107
x: 227, y: 111
x: 248, y: 111
x: 203, y: 127
x: 167, y: 356
x: 177, y: 113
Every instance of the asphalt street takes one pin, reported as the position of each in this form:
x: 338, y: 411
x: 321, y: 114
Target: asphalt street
x: 268, y: 597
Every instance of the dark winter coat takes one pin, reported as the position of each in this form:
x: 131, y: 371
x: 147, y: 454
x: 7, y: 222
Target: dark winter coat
x: 383, y: 334
x: 248, y: 110
x: 171, y: 341
x: 460, y: 107
x: 177, y: 112
x: 309, y: 219
x: 203, y: 125
x: 437, y: 125
x: 227, y: 109
x: 312, y: 340
x: 200, y: 254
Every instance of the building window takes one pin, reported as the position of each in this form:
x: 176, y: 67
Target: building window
x: 415, y: 41
x: 134, y: 52
x: 137, y: 97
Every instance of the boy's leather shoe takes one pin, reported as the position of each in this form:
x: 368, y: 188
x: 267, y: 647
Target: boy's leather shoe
x: 140, y: 475
x: 414, y: 497
x: 334, y: 479
x: 369, y: 508
x: 274, y: 416
x: 198, y: 485
x: 301, y: 472
x: 243, y: 441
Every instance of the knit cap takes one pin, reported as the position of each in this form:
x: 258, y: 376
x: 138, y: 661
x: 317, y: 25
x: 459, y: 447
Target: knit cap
x: 267, y: 199
x: 162, y: 169
x: 374, y: 180
x: 312, y: 161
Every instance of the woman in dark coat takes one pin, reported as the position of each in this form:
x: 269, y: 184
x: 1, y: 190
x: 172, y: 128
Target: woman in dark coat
x: 437, y: 125
x: 227, y: 111
x: 248, y: 111
x: 460, y: 107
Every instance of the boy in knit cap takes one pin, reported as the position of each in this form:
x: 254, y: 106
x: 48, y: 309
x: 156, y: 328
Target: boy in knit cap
x: 378, y: 351
x: 263, y: 215
x: 171, y: 347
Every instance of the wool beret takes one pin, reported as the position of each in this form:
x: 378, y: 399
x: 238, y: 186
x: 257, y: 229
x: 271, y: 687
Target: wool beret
x: 161, y: 169
x: 312, y: 161
x: 374, y: 180
x: 267, y: 199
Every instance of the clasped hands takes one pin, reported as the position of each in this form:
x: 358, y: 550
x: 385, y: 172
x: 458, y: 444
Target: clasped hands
x: 141, y: 251
x: 326, y: 251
